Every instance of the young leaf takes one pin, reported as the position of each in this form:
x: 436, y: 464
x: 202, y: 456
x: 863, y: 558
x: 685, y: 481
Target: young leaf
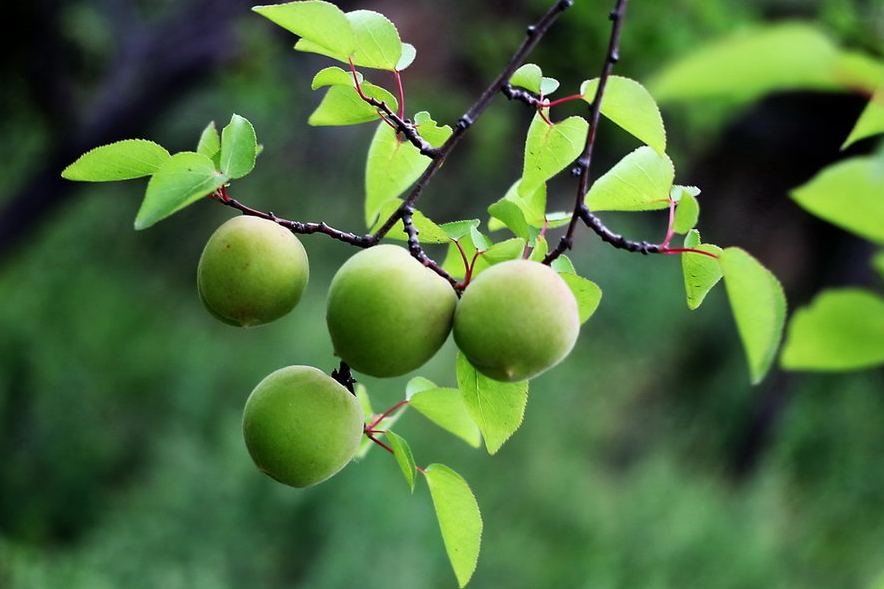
x: 322, y: 24
x: 701, y: 272
x: 511, y: 215
x: 185, y: 178
x: 758, y: 305
x: 752, y: 63
x: 870, y: 122
x: 563, y: 264
x: 408, y: 54
x: 528, y: 77
x: 458, y: 229
x: 446, y: 408
x: 548, y: 86
x: 402, y: 452
x: 641, y: 181
x: 418, y: 384
x: 459, y: 519
x: 210, y: 143
x: 496, y: 407
x: 848, y: 194
x: 123, y: 160
x: 239, y: 147
x: 334, y: 76
x: 687, y: 212
x: 550, y: 149
x: 342, y: 105
x: 630, y: 106
x: 377, y: 40
x: 480, y: 242
x: 587, y: 293
x: 841, y: 329
x: 393, y: 165
x: 540, y: 249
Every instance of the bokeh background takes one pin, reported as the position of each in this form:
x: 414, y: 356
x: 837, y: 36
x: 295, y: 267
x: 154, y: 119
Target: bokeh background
x: 646, y: 460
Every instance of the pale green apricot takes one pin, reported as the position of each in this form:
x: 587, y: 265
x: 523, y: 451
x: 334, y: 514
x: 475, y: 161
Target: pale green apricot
x: 388, y: 313
x: 301, y: 426
x: 252, y: 271
x: 516, y: 320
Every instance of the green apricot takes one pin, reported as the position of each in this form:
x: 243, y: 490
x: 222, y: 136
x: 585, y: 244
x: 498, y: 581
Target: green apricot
x: 387, y: 313
x: 301, y: 426
x: 252, y: 271
x: 516, y: 320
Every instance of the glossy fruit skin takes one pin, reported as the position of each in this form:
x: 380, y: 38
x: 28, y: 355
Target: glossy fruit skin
x: 251, y: 272
x: 516, y: 320
x: 387, y: 313
x: 301, y: 426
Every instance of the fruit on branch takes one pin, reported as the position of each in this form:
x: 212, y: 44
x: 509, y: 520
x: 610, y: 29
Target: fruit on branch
x: 252, y: 271
x: 515, y: 320
x: 387, y: 313
x: 301, y: 426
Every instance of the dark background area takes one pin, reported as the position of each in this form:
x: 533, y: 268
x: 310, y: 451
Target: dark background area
x: 645, y: 461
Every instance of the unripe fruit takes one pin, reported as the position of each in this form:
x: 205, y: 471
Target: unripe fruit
x: 387, y: 313
x: 301, y: 426
x: 516, y: 320
x: 252, y: 271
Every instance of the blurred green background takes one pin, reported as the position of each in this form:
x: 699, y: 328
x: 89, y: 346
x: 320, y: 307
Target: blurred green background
x: 646, y: 460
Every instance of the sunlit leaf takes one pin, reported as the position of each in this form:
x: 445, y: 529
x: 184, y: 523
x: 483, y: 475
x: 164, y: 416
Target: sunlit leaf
x: 459, y: 519
x: 408, y: 54
x: 848, y: 194
x: 540, y: 249
x: 701, y: 272
x: 342, y: 105
x: 686, y: 213
x: 239, y: 147
x: 210, y: 143
x: 870, y: 122
x: 334, y: 76
x: 496, y: 407
x: 528, y: 77
x: 586, y: 292
x: 377, y: 40
x: 480, y: 242
x: 404, y: 456
x: 323, y: 24
x: 641, y: 181
x: 563, y: 264
x: 549, y: 149
x: 458, y: 229
x: 758, y: 305
x: 123, y: 160
x: 511, y: 215
x: 446, y: 408
x: 628, y: 104
x: 183, y: 179
x: 503, y: 251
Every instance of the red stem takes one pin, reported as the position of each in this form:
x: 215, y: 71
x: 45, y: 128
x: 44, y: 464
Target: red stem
x: 381, y: 417
x: 401, y: 93
x: 685, y: 250
x: 560, y: 101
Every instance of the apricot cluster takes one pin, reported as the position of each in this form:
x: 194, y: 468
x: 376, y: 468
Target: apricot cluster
x: 387, y: 315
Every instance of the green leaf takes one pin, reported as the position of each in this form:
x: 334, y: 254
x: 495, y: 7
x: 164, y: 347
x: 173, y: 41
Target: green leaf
x: 342, y: 105
x: 528, y: 77
x: 870, y: 122
x: 458, y: 229
x: 364, y: 400
x: 239, y: 147
x: 334, y: 76
x: 630, y: 106
x: 548, y: 86
x: 323, y: 25
x: 841, y: 329
x: 848, y: 194
x: 563, y: 264
x: 510, y: 249
x: 496, y: 407
x: 701, y: 272
x: 687, y: 212
x: 549, y: 149
x: 587, y: 293
x: 393, y: 165
x: 480, y: 242
x: 532, y: 204
x: 511, y: 215
x: 752, y: 63
x: 185, y: 178
x: 446, y: 408
x: 377, y: 40
x: 641, y: 181
x: 759, y: 308
x: 210, y: 143
x: 459, y: 519
x: 123, y: 160
x: 408, y: 54
x: 539, y: 250
x: 418, y: 384
x: 402, y: 452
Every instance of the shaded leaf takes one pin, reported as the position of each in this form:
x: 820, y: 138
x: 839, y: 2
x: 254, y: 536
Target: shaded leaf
x: 123, y: 160
x: 496, y: 407
x: 509, y: 249
x: 183, y: 179
x: 701, y: 272
x: 446, y: 408
x: 758, y: 305
x: 630, y: 106
x: 563, y: 264
x: 459, y: 519
x: 586, y: 292
x: 841, y: 329
x: 404, y: 456
x: 409, y: 52
x: 549, y: 149
x: 641, y: 181
x: 480, y: 242
x: 848, y: 194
